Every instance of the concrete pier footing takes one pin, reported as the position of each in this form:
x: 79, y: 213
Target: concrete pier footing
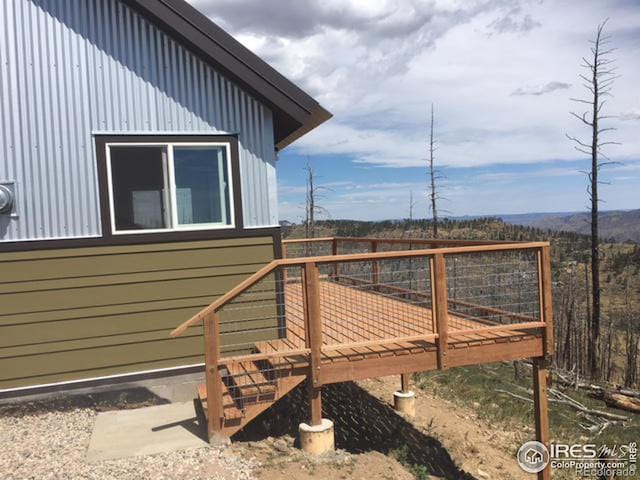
x: 317, y: 439
x: 405, y: 402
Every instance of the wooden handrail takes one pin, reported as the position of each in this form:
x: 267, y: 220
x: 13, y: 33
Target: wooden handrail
x: 413, y: 241
x: 499, y: 328
x: 354, y: 257
x: 309, y: 240
x: 360, y: 257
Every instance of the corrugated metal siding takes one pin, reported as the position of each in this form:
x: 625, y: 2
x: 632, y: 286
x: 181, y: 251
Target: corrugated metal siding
x: 72, y: 67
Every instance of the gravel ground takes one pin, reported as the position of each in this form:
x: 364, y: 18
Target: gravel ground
x: 52, y: 445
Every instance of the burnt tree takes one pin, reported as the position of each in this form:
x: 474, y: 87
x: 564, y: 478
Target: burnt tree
x: 598, y: 82
x: 433, y: 176
x: 312, y: 208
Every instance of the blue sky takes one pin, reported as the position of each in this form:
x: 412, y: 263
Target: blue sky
x: 501, y: 74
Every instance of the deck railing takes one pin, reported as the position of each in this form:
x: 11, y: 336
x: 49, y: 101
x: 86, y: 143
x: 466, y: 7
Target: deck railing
x: 383, y: 292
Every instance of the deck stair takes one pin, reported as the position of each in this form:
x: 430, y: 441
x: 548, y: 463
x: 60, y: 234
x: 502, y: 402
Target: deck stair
x: 248, y: 389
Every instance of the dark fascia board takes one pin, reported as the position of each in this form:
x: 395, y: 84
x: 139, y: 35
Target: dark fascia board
x: 295, y: 112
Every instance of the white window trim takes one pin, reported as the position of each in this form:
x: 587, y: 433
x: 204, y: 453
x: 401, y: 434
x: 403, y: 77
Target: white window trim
x: 175, y: 227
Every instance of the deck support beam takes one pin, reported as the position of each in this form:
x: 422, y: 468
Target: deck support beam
x: 404, y: 382
x: 540, y: 405
x: 313, y: 321
x: 315, y: 404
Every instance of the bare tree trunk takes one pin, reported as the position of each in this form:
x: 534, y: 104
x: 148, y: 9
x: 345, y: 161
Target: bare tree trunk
x: 311, y: 202
x: 595, y: 241
x: 598, y: 83
x: 432, y: 174
x: 412, y: 205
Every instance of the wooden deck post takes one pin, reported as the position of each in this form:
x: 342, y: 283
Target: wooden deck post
x: 375, y: 272
x: 546, y: 306
x: 404, y: 383
x: 540, y: 405
x: 440, y: 306
x: 334, y: 252
x: 215, y: 413
x: 313, y: 338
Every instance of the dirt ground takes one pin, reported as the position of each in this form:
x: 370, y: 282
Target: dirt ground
x: 476, y: 447
x: 373, y: 442
x: 445, y: 440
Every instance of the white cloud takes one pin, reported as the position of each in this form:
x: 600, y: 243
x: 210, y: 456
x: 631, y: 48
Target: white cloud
x: 541, y: 89
x: 378, y: 64
x: 630, y: 116
x: 500, y: 72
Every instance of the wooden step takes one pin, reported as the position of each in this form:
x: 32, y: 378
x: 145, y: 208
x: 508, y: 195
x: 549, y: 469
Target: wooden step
x: 229, y: 407
x: 248, y: 382
x: 285, y: 385
x: 282, y: 346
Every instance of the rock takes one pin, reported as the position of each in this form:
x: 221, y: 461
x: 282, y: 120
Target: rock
x: 482, y: 474
x: 281, y: 446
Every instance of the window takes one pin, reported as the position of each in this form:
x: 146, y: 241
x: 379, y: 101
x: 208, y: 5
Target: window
x: 173, y: 186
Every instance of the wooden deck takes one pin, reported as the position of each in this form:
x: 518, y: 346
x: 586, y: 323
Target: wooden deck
x: 362, y: 325
x: 337, y: 328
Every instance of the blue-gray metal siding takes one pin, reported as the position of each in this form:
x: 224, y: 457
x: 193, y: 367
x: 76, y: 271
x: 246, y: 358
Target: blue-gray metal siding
x: 72, y: 68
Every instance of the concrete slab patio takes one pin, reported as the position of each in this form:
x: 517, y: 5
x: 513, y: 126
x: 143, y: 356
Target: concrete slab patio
x: 145, y: 431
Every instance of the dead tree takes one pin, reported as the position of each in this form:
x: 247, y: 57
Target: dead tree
x: 412, y: 206
x: 433, y: 176
x: 631, y: 343
x: 598, y: 81
x: 312, y: 208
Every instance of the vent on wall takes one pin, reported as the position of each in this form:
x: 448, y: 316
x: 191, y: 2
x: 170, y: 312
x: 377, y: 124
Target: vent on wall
x: 7, y: 198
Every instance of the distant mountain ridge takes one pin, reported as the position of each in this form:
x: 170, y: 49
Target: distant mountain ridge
x: 621, y: 225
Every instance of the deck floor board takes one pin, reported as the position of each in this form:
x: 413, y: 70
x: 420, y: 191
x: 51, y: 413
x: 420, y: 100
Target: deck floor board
x: 352, y: 314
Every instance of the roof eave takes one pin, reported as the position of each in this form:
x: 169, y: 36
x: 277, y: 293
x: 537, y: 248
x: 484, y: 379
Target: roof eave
x: 317, y: 117
x: 295, y: 112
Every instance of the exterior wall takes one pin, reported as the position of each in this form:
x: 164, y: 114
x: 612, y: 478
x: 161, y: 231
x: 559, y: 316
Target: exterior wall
x: 80, y: 313
x: 73, y: 68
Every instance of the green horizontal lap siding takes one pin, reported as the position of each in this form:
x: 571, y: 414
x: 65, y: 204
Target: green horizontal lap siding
x: 72, y: 314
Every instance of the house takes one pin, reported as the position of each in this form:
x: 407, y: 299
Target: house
x: 138, y: 151
x: 138, y: 144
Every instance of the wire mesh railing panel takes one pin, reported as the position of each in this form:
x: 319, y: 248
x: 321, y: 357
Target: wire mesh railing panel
x: 388, y: 246
x: 257, y: 319
x: 348, y: 247
x: 493, y: 288
x: 375, y: 300
x: 308, y: 249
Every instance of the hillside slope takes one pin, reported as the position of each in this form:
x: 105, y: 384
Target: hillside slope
x: 622, y: 226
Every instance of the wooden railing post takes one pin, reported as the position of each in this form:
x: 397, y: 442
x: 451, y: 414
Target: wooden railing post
x: 375, y: 272
x: 215, y: 413
x: 313, y: 338
x: 546, y: 305
x: 440, y: 306
x: 334, y: 252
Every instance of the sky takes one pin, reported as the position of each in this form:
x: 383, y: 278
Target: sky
x: 500, y: 74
